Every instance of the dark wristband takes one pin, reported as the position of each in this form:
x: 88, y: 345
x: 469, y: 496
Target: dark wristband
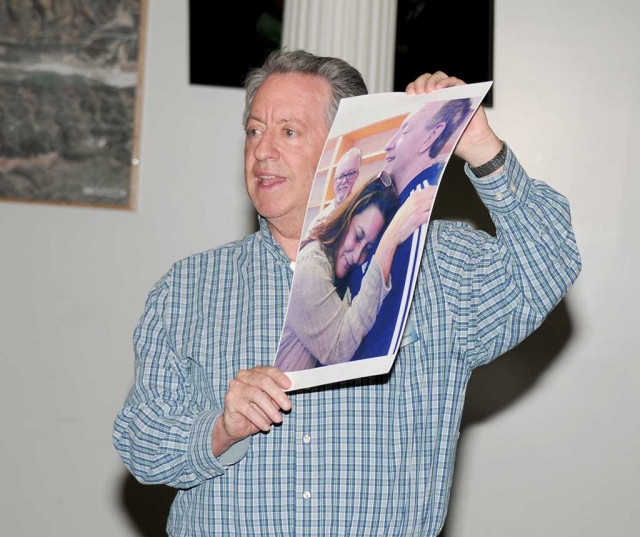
x: 491, y: 166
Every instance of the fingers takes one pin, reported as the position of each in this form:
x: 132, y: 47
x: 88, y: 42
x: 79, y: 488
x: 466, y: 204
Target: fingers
x: 264, y: 387
x: 419, y: 207
x: 270, y: 379
x: 421, y: 211
x: 255, y: 400
x: 415, y: 212
x: 421, y: 201
x: 428, y: 82
x: 426, y: 196
x: 253, y: 405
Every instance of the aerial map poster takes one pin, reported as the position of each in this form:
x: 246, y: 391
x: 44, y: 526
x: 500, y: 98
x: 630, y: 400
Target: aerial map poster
x: 365, y: 230
x: 70, y: 97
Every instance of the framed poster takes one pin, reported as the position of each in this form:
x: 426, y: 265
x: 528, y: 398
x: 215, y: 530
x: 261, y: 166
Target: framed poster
x: 70, y: 101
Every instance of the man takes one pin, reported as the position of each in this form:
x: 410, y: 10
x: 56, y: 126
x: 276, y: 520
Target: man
x: 209, y: 414
x: 412, y: 162
x: 345, y: 176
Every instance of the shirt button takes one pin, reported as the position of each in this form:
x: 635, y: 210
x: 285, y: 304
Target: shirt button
x: 513, y: 188
x: 499, y: 196
x: 306, y: 495
x: 306, y: 439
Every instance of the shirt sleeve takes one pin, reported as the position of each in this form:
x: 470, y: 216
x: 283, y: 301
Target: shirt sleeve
x: 329, y: 327
x: 161, y: 434
x: 500, y: 289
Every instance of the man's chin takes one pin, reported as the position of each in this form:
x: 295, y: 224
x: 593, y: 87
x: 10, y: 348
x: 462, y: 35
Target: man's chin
x: 280, y: 213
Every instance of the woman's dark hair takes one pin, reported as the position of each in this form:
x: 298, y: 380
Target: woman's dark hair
x: 378, y: 192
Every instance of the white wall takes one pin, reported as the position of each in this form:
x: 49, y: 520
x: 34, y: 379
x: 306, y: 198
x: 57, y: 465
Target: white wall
x: 562, y: 456
x: 73, y: 283
x: 550, y: 442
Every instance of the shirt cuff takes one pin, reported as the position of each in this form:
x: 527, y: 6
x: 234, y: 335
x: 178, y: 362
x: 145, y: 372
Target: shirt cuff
x: 200, y: 453
x: 235, y: 453
x: 505, y: 191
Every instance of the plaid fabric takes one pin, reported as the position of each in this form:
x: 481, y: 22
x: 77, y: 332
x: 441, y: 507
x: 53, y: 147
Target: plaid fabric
x: 373, y: 456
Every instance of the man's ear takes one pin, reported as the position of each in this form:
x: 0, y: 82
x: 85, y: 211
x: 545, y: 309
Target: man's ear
x: 433, y: 135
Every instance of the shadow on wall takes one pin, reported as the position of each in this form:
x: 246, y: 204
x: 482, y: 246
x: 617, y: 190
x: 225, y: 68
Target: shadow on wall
x: 147, y: 506
x: 492, y: 387
x: 495, y: 386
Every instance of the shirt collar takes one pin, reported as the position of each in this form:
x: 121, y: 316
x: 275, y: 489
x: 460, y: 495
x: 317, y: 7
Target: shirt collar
x: 272, y: 246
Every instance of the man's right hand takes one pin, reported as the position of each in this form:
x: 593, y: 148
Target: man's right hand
x: 253, y: 403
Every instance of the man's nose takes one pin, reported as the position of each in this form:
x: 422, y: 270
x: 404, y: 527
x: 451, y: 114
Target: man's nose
x: 266, y: 148
x: 391, y: 143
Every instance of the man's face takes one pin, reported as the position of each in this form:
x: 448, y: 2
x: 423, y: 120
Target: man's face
x: 286, y: 131
x: 407, y: 151
x: 345, y: 177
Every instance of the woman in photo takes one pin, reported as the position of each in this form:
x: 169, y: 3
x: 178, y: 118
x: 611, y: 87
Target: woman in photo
x: 322, y: 327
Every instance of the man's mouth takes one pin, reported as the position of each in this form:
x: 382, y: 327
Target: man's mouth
x: 267, y: 180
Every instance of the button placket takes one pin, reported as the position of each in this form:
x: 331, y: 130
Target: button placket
x: 306, y: 486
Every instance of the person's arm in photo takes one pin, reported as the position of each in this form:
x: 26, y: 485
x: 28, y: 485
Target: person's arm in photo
x: 415, y: 212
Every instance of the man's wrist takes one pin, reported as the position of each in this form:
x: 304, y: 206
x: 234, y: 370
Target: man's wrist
x: 490, y: 166
x: 220, y: 441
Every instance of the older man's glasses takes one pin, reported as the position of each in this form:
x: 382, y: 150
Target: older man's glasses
x: 347, y: 176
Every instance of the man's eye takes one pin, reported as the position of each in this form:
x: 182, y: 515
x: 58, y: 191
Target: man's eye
x: 289, y: 133
x: 252, y: 132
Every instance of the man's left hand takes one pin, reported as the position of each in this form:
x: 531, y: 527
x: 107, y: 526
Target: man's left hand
x: 478, y: 143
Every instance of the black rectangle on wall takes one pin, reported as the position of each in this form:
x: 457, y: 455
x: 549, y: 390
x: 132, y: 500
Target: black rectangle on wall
x: 431, y: 35
x: 454, y: 37
x: 225, y: 42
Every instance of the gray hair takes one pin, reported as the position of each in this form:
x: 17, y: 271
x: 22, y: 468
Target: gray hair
x: 352, y: 152
x: 344, y: 79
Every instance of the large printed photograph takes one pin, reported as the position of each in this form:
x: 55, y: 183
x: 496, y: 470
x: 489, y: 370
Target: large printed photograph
x: 364, y: 232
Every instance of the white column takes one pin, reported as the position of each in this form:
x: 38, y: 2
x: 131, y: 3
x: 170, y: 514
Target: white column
x: 362, y: 32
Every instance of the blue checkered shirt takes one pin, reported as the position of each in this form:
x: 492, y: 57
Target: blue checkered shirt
x: 373, y: 456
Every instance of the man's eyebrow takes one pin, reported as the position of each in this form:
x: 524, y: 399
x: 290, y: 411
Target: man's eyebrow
x: 292, y: 121
x: 254, y: 118
x: 279, y: 121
